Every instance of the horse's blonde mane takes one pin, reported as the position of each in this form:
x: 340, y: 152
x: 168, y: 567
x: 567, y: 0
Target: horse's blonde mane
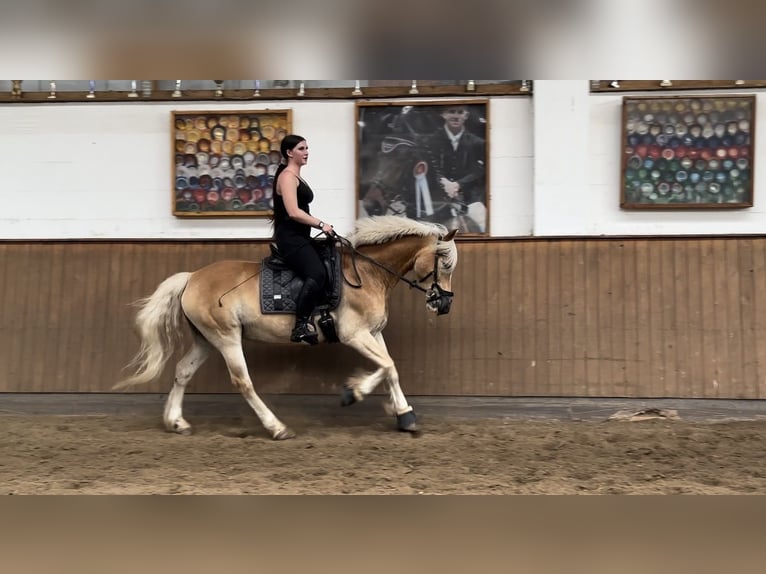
x: 382, y: 228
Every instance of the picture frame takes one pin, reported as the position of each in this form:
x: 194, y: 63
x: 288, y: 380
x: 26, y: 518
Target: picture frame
x: 687, y: 152
x: 406, y: 164
x: 224, y: 161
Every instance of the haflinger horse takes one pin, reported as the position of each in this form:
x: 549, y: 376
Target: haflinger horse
x: 379, y: 253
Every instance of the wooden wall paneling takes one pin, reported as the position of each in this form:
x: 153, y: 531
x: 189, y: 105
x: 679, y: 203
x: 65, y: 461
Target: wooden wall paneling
x: 682, y: 350
x: 668, y: 326
x: 709, y: 381
x: 571, y: 317
x: 591, y: 334
x: 759, y: 315
x: 732, y: 303
x: 578, y: 385
x: 95, y: 316
x: 540, y: 371
x: 628, y: 302
x: 514, y: 369
x: 693, y: 292
x: 654, y: 310
x: 25, y: 347
x: 552, y: 351
x: 43, y: 330
x: 527, y: 318
x: 7, y: 282
x: 566, y: 334
x: 616, y: 301
x: 502, y: 334
x: 719, y: 316
x: 642, y: 341
x: 486, y: 306
x: 17, y: 310
x: 603, y: 304
x: 748, y: 317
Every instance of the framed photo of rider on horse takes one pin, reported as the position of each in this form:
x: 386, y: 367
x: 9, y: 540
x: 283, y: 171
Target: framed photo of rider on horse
x: 425, y: 161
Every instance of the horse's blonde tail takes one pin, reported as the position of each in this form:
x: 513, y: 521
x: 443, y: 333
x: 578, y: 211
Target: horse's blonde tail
x: 158, y: 322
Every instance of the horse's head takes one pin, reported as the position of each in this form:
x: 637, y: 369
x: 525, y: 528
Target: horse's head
x: 402, y: 155
x: 439, y: 262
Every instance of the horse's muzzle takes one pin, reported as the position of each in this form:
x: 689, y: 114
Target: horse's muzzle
x: 439, y: 300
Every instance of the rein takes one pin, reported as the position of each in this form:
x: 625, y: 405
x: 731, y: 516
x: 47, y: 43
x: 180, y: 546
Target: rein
x: 355, y: 252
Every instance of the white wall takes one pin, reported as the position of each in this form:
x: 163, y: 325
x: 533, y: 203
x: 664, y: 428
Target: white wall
x: 577, y: 172
x: 98, y: 170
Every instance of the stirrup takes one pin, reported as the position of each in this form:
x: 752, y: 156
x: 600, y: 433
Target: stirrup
x: 303, y: 333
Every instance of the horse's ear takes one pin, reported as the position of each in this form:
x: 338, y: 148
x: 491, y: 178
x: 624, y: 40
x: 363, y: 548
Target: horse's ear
x: 450, y: 236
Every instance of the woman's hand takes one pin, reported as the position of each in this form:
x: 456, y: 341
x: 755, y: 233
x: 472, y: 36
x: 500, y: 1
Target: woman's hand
x: 328, y: 229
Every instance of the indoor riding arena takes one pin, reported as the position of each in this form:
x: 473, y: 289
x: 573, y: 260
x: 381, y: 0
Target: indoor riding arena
x: 602, y: 329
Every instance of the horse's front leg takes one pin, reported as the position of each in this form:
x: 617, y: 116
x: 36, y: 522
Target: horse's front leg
x: 356, y: 388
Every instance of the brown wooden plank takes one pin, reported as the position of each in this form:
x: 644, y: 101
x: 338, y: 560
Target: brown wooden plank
x: 656, y: 85
x: 566, y: 334
x: 615, y: 309
x: 22, y: 291
x: 517, y: 326
x: 646, y: 372
x: 551, y: 338
x: 603, y: 304
x: 682, y: 350
x: 759, y: 315
x: 541, y: 278
x: 732, y: 302
x: 668, y: 322
x: 7, y: 283
x: 710, y: 322
x: 628, y: 301
x: 41, y: 327
x: 579, y: 383
x: 747, y: 316
x: 527, y: 301
x: 695, y: 319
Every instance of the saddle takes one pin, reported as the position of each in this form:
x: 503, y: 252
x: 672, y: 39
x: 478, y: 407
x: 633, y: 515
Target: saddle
x: 280, y: 285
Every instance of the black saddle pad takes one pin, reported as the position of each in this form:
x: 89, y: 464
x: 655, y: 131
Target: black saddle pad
x: 280, y: 285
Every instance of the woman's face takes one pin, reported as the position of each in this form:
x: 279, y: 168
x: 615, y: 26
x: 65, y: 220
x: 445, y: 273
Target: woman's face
x: 300, y: 153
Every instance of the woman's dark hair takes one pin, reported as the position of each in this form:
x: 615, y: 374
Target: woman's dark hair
x: 288, y: 143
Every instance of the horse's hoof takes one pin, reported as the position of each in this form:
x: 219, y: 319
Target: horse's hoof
x: 407, y: 422
x: 184, y: 430
x: 347, y: 397
x: 284, y: 434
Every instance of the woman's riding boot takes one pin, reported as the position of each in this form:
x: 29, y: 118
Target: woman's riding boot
x: 304, y: 331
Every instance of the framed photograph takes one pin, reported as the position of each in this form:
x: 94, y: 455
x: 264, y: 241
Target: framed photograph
x: 687, y: 152
x: 224, y: 161
x: 427, y: 161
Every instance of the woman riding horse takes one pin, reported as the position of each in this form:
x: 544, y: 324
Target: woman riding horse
x: 381, y: 252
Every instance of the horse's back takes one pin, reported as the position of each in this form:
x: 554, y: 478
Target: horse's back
x: 230, y: 277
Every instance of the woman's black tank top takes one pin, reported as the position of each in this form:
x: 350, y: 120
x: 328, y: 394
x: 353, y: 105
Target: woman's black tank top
x: 283, y: 225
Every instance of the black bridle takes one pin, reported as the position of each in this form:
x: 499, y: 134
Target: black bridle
x: 435, y: 294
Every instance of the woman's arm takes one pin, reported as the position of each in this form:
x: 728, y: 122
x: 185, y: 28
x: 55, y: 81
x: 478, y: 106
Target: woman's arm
x: 288, y: 188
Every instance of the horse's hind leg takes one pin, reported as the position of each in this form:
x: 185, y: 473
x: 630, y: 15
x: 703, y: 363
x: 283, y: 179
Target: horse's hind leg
x: 240, y: 378
x: 185, y: 369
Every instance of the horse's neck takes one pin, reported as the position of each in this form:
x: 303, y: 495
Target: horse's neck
x: 398, y: 256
